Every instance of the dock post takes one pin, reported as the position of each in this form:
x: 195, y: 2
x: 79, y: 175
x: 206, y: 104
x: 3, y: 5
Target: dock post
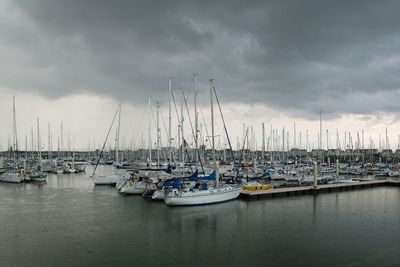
x: 337, y: 168
x: 315, y: 175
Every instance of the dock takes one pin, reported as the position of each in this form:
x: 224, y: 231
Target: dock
x: 306, y: 190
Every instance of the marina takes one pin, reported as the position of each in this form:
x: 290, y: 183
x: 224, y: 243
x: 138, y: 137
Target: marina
x: 199, y: 133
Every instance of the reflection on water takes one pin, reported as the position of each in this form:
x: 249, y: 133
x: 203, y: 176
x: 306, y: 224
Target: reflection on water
x: 69, y: 222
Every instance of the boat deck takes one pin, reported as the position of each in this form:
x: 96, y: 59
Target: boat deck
x: 303, y: 190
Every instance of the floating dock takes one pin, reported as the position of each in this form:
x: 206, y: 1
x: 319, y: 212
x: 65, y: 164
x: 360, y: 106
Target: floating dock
x: 326, y: 188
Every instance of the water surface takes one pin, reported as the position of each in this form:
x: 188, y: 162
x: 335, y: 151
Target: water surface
x: 70, y: 222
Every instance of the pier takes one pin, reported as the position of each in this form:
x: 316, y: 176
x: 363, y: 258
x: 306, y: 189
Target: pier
x: 305, y: 190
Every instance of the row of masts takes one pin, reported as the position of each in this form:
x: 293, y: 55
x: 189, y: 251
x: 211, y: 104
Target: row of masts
x: 277, y: 140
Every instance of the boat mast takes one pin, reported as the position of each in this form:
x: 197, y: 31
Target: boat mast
x: 149, y: 132
x: 39, y: 145
x: 105, y: 143
x: 32, y: 144
x: 183, y: 138
x: 62, y: 139
x: 195, y: 120
x: 263, y: 145
x: 212, y: 135
x: 363, y: 146
x: 118, y: 132
x: 169, y: 121
x: 48, y: 141
x: 26, y: 146
x: 320, y: 135
x: 15, y: 139
x: 158, y: 134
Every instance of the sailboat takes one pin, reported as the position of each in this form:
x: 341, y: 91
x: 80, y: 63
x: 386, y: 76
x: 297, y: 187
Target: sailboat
x: 202, y: 193
x: 133, y: 187
x: 38, y: 175
x: 115, y: 178
x: 69, y: 167
x: 15, y: 175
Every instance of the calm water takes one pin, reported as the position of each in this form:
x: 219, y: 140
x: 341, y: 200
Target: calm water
x: 69, y: 222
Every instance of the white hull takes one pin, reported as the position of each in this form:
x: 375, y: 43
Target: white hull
x: 120, y: 183
x: 10, y: 177
x: 133, y: 188
x: 210, y: 196
x: 69, y: 170
x: 345, y: 180
x: 277, y: 176
x: 41, y: 179
x: 108, y: 179
x: 56, y: 170
x: 158, y: 195
x: 80, y: 168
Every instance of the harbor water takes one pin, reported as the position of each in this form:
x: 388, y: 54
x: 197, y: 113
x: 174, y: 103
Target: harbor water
x: 70, y: 222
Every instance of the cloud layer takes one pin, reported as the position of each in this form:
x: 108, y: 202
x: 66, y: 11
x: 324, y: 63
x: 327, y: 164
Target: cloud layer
x: 297, y: 57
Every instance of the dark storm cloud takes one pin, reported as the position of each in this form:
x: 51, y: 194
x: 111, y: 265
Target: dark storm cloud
x: 296, y: 56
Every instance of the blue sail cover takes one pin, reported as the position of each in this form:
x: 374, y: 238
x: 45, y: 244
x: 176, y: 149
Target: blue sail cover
x: 211, y: 176
x: 173, y: 182
x: 193, y: 176
x: 177, y: 181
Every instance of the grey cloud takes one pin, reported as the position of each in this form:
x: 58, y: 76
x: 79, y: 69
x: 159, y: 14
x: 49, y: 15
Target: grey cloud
x: 298, y: 57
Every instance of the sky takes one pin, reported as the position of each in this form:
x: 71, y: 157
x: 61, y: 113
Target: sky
x: 277, y: 62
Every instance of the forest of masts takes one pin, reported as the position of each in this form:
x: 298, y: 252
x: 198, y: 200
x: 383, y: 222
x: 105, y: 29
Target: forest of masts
x: 159, y: 139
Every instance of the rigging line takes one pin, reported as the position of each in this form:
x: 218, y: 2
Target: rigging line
x: 140, y: 127
x: 223, y: 121
x: 244, y: 141
x: 187, y: 110
x: 162, y: 118
x: 105, y: 141
x: 176, y: 110
x: 165, y: 128
x: 154, y: 121
x: 205, y: 125
x: 177, y: 116
x: 152, y: 117
x: 183, y: 138
x: 187, y: 154
x: 191, y: 127
x: 159, y: 132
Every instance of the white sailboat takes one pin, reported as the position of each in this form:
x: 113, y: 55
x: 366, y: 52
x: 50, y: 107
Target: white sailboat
x: 202, y: 193
x: 114, y: 178
x: 69, y: 167
x: 133, y: 187
x: 158, y: 194
x: 13, y: 176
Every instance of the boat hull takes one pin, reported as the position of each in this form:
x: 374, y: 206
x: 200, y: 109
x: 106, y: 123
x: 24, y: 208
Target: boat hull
x: 158, y: 195
x: 38, y: 178
x: 209, y: 197
x: 11, y: 177
x: 133, y: 188
x: 107, y: 179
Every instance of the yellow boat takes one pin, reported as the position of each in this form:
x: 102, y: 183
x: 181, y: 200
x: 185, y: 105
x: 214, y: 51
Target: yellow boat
x: 253, y: 187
